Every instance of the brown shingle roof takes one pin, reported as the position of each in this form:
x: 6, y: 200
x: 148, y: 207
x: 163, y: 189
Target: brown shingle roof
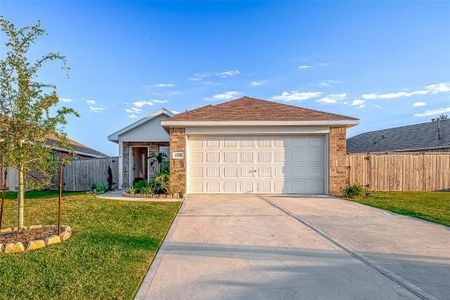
x: 251, y: 109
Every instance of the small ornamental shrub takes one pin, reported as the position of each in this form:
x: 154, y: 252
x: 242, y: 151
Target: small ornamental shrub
x: 98, y: 188
x: 138, y: 185
x: 353, y: 190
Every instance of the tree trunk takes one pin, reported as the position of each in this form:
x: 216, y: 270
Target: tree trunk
x: 21, y: 198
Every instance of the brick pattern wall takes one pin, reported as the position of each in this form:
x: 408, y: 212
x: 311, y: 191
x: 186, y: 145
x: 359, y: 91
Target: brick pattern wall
x: 337, y: 164
x: 154, y: 148
x: 178, y: 166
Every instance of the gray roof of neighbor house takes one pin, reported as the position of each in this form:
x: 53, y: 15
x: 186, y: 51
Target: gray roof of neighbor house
x: 77, y: 147
x: 413, y: 137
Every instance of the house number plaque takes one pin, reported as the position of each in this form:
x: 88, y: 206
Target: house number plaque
x: 178, y: 155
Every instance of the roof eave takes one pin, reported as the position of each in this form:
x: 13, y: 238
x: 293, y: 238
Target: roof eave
x: 333, y: 123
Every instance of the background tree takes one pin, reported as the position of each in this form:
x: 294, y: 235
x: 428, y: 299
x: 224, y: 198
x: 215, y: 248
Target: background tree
x: 29, y: 110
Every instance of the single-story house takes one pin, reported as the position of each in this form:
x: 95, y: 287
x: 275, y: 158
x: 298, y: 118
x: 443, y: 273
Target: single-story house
x: 425, y: 137
x: 79, y: 151
x: 245, y: 145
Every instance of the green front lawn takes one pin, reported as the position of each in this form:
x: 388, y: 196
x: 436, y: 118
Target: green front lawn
x: 430, y: 206
x: 40, y: 194
x: 112, y: 246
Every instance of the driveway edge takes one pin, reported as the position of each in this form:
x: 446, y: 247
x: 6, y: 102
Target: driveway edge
x: 144, y: 288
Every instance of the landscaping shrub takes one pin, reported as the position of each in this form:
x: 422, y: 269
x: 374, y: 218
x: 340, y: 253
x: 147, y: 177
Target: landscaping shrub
x: 353, y: 190
x: 138, y: 185
x: 98, y: 188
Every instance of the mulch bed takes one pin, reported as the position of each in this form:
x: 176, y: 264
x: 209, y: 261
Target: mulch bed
x: 26, y: 236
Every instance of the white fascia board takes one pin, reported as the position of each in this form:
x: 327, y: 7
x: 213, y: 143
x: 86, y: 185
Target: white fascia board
x: 142, y: 140
x: 169, y: 123
x: 115, y: 136
x: 278, y: 130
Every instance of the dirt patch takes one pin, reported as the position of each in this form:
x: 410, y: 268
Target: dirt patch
x: 26, y: 236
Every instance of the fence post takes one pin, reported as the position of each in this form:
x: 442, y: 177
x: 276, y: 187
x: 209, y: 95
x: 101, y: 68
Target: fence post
x: 60, y: 200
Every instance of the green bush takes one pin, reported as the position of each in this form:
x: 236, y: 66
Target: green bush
x: 138, y: 185
x: 98, y: 188
x: 353, y: 190
x: 158, y: 185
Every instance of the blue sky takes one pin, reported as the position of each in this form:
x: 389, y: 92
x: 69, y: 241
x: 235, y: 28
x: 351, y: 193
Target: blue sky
x: 386, y: 63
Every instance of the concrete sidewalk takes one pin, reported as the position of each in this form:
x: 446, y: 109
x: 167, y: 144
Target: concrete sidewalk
x: 241, y: 247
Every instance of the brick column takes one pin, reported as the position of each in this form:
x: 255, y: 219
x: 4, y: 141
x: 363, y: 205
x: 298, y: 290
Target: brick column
x: 177, y: 166
x: 337, y: 162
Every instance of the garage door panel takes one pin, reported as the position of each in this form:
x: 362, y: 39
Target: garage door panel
x: 197, y: 171
x: 264, y: 171
x: 246, y: 187
x: 256, y: 164
x: 230, y: 157
x: 196, y: 156
x: 265, y: 156
x: 213, y: 186
x: 246, y: 157
x: 196, y: 186
x: 230, y: 172
x: 230, y: 187
x: 213, y: 157
x: 264, y: 187
x: 247, y: 171
x: 213, y: 171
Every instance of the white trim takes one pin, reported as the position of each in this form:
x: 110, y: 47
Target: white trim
x: 114, y: 137
x: 169, y: 123
x: 326, y: 165
x: 120, y: 165
x: 186, y: 163
x: 258, y: 130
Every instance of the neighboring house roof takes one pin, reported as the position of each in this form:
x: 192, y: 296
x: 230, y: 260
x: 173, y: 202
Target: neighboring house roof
x: 77, y: 147
x: 413, y: 137
x: 115, y: 136
x: 248, y: 109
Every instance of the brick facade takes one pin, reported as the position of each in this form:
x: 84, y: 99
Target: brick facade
x: 153, y: 147
x: 178, y: 166
x: 337, y: 161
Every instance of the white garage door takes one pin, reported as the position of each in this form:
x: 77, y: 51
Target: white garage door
x: 256, y: 164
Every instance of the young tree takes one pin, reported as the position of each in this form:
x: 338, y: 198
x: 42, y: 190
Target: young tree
x: 29, y: 110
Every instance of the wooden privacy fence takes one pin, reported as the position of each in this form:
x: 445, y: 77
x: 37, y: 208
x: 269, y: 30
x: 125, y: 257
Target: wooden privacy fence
x: 412, y: 171
x: 81, y: 174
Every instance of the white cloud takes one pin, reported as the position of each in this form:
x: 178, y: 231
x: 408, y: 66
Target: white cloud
x: 432, y: 112
x: 132, y: 116
x: 258, y: 82
x: 327, y: 83
x: 419, y: 103
x: 358, y: 103
x: 65, y: 100
x: 434, y: 89
x: 439, y: 88
x: 227, y: 74
x: 304, y: 67
x: 164, y: 85
x: 333, y: 98
x: 223, y: 74
x: 96, y: 108
x: 90, y: 102
x: 296, y: 96
x: 175, y: 112
x: 224, y: 96
x: 137, y: 106
x: 159, y: 101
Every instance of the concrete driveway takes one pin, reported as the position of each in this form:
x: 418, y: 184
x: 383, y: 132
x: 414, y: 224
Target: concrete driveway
x: 247, y: 247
